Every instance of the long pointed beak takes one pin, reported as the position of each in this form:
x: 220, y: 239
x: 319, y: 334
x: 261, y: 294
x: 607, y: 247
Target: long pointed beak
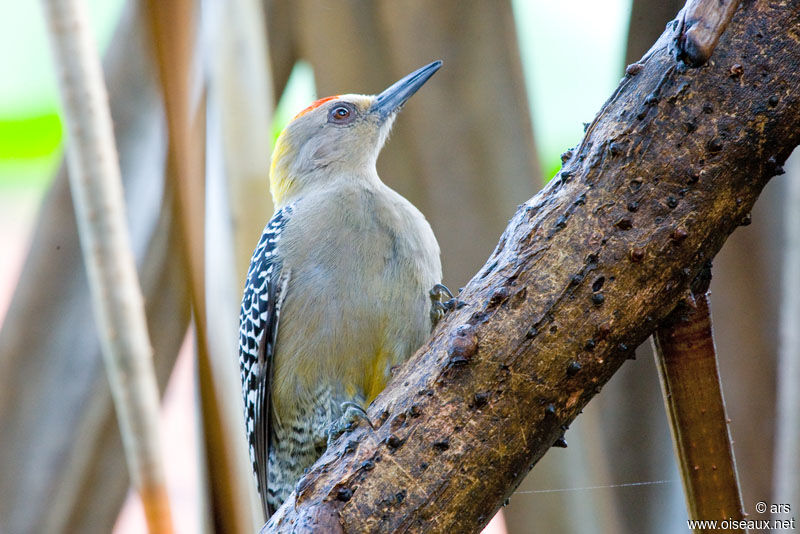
x: 393, y: 98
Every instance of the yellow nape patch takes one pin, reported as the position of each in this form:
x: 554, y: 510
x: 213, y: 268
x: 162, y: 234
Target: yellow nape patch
x: 279, y: 182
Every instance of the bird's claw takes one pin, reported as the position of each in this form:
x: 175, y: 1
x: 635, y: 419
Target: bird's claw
x: 352, y: 414
x: 438, y: 291
x: 438, y: 311
x: 442, y: 302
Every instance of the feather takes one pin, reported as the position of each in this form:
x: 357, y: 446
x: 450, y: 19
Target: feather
x: 264, y: 292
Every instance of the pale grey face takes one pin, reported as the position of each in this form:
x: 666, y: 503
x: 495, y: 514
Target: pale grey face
x: 343, y: 134
x: 340, y: 136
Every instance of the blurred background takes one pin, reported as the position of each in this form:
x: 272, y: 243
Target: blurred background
x: 519, y: 80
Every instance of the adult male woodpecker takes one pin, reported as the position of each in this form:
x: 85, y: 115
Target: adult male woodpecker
x: 338, y: 287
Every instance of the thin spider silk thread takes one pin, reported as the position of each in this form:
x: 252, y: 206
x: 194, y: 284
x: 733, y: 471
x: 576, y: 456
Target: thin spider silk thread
x: 625, y: 485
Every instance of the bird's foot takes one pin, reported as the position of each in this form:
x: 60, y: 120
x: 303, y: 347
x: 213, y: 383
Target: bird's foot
x: 352, y: 414
x: 442, y: 301
x: 439, y: 295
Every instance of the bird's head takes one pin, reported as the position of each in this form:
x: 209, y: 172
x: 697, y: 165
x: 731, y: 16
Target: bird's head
x: 338, y: 136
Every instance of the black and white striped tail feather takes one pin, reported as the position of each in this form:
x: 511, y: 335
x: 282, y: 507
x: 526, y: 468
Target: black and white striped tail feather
x: 264, y: 291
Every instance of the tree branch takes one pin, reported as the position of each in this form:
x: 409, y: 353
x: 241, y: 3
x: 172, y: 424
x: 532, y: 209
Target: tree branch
x: 584, y: 272
x: 687, y: 365
x: 702, y: 22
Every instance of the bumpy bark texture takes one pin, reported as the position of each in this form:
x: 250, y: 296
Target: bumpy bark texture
x: 582, y: 275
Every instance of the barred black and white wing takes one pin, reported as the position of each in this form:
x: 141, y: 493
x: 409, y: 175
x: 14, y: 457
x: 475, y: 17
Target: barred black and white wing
x: 264, y: 292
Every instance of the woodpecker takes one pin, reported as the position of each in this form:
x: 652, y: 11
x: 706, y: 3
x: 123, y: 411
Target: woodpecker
x: 344, y: 284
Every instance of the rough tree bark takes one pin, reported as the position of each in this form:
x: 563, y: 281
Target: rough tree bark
x: 584, y: 272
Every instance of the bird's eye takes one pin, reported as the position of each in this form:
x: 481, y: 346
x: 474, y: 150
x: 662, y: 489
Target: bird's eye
x: 343, y: 113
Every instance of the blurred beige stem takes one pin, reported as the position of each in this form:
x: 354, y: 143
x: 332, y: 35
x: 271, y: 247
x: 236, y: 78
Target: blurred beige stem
x: 175, y: 49
x: 117, y: 300
x: 787, y: 425
x: 242, y: 80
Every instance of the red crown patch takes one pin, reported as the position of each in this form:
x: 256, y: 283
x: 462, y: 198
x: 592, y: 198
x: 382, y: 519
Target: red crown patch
x: 315, y: 105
